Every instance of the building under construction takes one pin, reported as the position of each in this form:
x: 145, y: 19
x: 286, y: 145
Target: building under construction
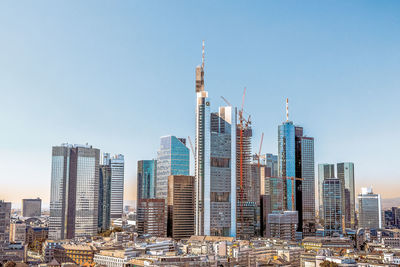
x: 246, y: 204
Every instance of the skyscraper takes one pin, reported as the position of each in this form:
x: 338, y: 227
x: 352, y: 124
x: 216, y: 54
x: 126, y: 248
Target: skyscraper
x: 332, y: 199
x: 151, y: 217
x: 104, y: 196
x: 324, y: 171
x: 32, y: 207
x: 146, y: 177
x: 306, y: 194
x: 74, y: 191
x: 283, y: 224
x: 345, y: 172
x: 5, y: 213
x: 369, y: 209
x: 202, y: 153
x: 117, y: 186
x: 271, y: 163
x: 219, y: 203
x: 172, y: 159
x: 180, y: 206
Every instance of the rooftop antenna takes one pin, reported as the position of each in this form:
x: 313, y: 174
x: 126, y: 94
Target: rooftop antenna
x: 202, y: 57
x: 287, y: 109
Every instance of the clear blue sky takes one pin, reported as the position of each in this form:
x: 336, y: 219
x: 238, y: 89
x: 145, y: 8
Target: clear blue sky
x: 120, y: 74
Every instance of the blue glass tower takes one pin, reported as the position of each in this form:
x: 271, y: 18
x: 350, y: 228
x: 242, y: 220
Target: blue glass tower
x: 172, y: 159
x: 287, y: 161
x: 146, y: 175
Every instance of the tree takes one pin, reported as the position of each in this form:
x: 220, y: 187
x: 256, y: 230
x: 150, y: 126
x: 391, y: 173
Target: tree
x: 10, y: 264
x: 328, y: 264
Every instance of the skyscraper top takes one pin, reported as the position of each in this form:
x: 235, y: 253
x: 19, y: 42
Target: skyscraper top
x: 202, y: 57
x: 200, y: 73
x: 287, y: 109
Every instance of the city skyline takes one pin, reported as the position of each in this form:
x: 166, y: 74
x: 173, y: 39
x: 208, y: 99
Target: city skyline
x: 341, y: 106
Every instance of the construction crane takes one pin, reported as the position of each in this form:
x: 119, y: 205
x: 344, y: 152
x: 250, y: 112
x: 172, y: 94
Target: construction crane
x: 191, y: 147
x: 258, y: 156
x: 293, y: 182
x: 226, y: 101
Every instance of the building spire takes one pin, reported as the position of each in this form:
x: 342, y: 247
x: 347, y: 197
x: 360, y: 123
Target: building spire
x: 287, y: 109
x: 202, y: 57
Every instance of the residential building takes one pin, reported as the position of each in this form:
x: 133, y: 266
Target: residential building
x: 345, y: 172
x: 74, y: 191
x: 283, y: 224
x: 369, y: 209
x: 151, y: 217
x: 332, y: 199
x: 32, y: 207
x: 146, y: 178
x: 181, y: 200
x: 324, y: 171
x: 104, y: 212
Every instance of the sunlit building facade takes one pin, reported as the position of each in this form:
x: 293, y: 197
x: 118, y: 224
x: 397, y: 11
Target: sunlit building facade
x: 146, y: 178
x: 332, y: 197
x: 345, y: 172
x: 369, y: 209
x: 324, y: 171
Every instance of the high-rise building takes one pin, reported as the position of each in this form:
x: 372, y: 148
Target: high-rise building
x: 146, y: 177
x: 345, y: 172
x: 180, y: 206
x: 271, y: 164
x: 172, y: 159
x: 324, y: 171
x: 283, y: 225
x: 5, y: 213
x: 18, y: 231
x: 220, y: 197
x: 202, y: 153
x: 287, y: 162
x: 117, y: 186
x: 369, y: 209
x: 332, y: 199
x: 151, y: 217
x: 32, y: 207
x: 296, y: 160
x: 104, y: 219
x: 74, y: 191
x: 306, y: 195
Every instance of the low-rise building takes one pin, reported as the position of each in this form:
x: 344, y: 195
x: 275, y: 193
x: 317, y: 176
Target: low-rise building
x: 77, y: 254
x: 114, y: 258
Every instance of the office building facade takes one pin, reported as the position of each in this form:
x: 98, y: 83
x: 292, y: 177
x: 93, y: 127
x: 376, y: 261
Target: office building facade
x: 117, y: 165
x: 181, y: 200
x: 146, y: 179
x: 5, y: 216
x: 283, y: 224
x: 345, y: 172
x: 104, y: 219
x: 324, y: 171
x: 151, y: 217
x: 369, y: 209
x: 332, y: 199
x: 74, y: 191
x: 32, y: 207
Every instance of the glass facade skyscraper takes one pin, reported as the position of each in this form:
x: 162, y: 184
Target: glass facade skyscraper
x: 332, y: 195
x: 324, y: 171
x: 146, y: 176
x: 74, y: 191
x: 104, y: 197
x: 345, y: 172
x: 287, y: 161
x: 369, y: 209
x: 172, y: 159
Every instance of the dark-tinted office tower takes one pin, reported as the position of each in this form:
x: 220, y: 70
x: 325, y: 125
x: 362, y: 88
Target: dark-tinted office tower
x: 104, y: 197
x: 332, y: 197
x: 369, y: 209
x: 324, y: 171
x: 74, y: 191
x: 345, y: 172
x: 146, y: 177
x: 306, y: 194
x: 5, y: 213
x: 271, y: 164
x: 32, y: 207
x: 181, y: 206
x: 151, y: 217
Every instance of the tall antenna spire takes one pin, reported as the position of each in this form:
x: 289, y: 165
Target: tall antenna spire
x: 287, y: 109
x: 202, y: 57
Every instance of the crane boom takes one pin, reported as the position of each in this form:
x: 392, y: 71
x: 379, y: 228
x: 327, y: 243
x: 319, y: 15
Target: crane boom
x: 191, y: 146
